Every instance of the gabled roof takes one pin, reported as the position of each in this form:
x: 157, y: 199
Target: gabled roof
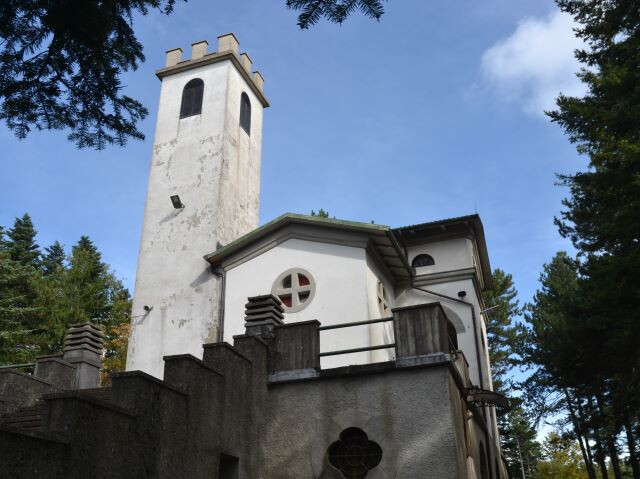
x: 461, y: 225
x: 380, y: 238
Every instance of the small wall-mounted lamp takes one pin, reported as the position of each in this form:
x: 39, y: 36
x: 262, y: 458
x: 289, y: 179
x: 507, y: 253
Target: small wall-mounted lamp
x: 177, y: 204
x: 147, y: 308
x: 462, y: 294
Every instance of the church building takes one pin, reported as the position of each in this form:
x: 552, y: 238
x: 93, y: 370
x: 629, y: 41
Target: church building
x: 307, y: 347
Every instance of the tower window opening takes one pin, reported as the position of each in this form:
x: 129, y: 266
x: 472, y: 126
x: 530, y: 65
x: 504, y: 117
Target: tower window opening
x: 422, y: 260
x: 245, y: 113
x: 192, y: 98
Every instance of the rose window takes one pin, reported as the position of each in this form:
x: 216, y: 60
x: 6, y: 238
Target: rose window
x: 295, y: 288
x: 354, y: 455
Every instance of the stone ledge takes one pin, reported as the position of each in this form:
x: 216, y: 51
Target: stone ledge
x: 225, y: 345
x: 147, y: 377
x: 192, y: 359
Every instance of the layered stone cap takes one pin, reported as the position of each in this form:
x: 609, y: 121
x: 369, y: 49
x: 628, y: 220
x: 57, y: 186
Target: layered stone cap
x: 84, y: 336
x: 263, y: 308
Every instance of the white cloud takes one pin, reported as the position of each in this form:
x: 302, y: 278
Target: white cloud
x: 535, y: 63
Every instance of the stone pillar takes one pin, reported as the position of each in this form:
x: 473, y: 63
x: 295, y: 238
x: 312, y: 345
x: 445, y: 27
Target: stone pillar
x: 55, y: 370
x: 262, y: 315
x: 420, y: 330
x: 296, y: 350
x: 83, y: 347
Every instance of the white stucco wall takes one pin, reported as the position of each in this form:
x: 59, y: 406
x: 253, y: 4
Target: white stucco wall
x: 449, y: 255
x: 343, y: 292
x: 214, y: 166
x: 381, y: 333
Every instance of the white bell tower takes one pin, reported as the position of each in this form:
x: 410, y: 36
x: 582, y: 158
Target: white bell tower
x: 203, y: 191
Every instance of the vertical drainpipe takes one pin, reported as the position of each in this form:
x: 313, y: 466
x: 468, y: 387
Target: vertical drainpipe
x: 222, y: 274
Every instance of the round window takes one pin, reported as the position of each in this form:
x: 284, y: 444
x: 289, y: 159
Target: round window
x: 295, y: 288
x: 383, y: 301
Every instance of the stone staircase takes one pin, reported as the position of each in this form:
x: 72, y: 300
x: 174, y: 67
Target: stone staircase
x: 31, y: 418
x: 26, y: 419
x: 101, y: 394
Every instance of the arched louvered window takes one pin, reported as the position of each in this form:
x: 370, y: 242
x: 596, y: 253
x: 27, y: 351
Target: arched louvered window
x: 192, y: 98
x: 245, y: 113
x: 422, y: 260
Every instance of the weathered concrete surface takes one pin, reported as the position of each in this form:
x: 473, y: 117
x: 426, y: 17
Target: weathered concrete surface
x: 214, y: 166
x: 223, y: 406
x: 19, y: 389
x: 406, y: 412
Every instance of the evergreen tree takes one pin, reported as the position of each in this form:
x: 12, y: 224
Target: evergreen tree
x: 3, y: 241
x: 22, y: 242
x: 601, y: 215
x: 20, y: 332
x: 321, y: 213
x: 502, y: 330
x: 53, y: 260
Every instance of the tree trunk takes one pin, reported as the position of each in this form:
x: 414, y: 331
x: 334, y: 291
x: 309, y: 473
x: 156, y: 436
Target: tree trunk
x: 609, y: 435
x: 631, y: 444
x: 578, y: 430
x: 583, y: 420
x: 613, y: 454
x: 601, y: 457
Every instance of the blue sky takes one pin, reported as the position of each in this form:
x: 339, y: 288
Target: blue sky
x: 434, y: 112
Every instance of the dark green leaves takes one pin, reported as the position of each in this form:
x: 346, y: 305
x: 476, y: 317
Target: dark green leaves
x: 61, y: 64
x: 312, y: 11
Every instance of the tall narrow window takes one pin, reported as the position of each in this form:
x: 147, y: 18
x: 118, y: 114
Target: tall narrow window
x: 245, y: 113
x: 192, y: 98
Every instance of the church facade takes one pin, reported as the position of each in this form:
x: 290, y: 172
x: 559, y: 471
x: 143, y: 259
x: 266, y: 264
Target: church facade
x: 307, y: 347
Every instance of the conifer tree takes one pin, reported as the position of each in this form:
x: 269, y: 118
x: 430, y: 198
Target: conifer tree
x: 502, y: 330
x: 20, y: 334
x: 22, y: 242
x: 601, y: 216
x: 53, y: 260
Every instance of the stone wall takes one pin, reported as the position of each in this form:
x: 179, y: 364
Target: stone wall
x: 234, y: 414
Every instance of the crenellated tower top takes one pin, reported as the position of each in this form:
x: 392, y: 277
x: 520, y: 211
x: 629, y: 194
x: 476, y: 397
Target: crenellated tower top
x: 228, y: 48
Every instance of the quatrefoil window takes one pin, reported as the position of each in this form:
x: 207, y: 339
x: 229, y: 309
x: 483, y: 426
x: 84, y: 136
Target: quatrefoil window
x: 354, y: 455
x: 295, y: 288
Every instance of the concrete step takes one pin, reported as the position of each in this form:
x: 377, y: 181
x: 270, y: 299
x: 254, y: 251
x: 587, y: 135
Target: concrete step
x: 102, y: 394
x: 26, y: 419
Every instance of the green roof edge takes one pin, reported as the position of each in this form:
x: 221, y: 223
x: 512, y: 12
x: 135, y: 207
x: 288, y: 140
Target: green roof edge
x: 294, y: 217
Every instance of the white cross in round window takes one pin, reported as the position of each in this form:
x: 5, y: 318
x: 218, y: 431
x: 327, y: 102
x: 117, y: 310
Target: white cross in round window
x: 295, y: 288
x: 383, y: 301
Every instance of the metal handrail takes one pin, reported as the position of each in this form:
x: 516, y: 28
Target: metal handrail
x: 357, y: 350
x: 18, y: 366
x: 355, y: 323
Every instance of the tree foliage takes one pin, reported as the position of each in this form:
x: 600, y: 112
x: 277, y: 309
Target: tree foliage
x: 601, y: 216
x: 41, y: 298
x: 337, y: 11
x: 584, y: 323
x: 561, y: 458
x: 502, y: 330
x: 61, y: 63
x: 22, y: 242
